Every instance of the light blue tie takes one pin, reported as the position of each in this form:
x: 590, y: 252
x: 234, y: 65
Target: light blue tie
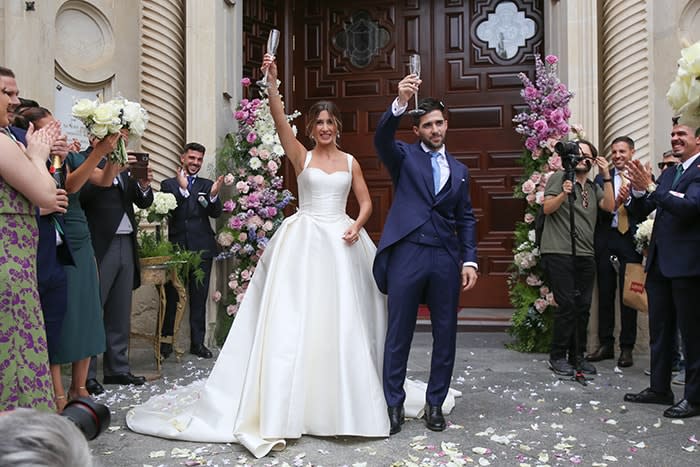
x: 436, y: 170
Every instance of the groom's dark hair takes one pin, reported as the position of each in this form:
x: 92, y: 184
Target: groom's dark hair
x: 428, y: 104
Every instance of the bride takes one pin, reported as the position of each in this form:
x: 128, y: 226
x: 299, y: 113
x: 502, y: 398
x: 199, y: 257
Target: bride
x: 304, y: 354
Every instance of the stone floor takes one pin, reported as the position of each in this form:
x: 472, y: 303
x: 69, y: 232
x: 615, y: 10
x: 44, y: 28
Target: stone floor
x: 514, y: 411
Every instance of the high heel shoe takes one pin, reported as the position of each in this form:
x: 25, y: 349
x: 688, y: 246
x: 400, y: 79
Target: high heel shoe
x: 76, y: 395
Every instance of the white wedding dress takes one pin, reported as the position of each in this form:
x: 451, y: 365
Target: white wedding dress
x: 304, y: 354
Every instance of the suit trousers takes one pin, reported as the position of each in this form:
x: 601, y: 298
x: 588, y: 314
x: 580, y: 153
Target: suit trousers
x: 116, y: 285
x: 420, y: 274
x: 571, y: 282
x: 612, y: 242
x: 198, y: 295
x: 672, y: 306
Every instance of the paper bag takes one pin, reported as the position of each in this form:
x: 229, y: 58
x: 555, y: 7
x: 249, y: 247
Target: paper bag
x: 635, y: 294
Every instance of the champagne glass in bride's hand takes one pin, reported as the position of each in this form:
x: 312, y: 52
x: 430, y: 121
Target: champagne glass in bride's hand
x: 273, y: 41
x: 414, y: 69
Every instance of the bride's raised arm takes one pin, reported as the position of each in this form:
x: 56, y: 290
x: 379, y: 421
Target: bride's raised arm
x: 295, y: 151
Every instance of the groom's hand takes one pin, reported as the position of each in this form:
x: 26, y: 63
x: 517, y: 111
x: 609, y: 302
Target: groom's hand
x: 469, y: 277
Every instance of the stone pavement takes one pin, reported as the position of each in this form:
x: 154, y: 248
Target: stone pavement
x: 514, y: 412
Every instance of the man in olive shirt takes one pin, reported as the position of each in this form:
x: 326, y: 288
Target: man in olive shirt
x: 571, y: 279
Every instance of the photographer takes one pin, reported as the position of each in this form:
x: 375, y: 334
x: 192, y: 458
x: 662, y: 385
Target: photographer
x: 570, y: 270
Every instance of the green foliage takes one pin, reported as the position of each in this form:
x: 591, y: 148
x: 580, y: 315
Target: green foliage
x: 185, y: 261
x: 223, y: 324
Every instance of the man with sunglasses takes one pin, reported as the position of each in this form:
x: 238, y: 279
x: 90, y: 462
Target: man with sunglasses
x: 668, y: 159
x: 614, y: 237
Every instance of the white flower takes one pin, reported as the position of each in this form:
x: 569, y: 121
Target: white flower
x: 84, y: 108
x: 642, y: 236
x: 255, y: 163
x: 163, y: 203
x: 106, y: 114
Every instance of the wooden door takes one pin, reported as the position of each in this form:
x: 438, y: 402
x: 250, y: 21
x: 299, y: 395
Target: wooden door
x: 355, y: 53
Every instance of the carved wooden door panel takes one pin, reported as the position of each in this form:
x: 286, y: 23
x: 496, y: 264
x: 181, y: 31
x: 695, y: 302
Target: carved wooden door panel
x: 355, y: 53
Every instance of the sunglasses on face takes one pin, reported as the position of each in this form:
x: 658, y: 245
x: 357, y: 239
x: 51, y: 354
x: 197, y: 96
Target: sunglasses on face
x: 663, y: 165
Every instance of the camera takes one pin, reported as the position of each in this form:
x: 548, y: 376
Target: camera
x: 570, y: 157
x: 90, y: 417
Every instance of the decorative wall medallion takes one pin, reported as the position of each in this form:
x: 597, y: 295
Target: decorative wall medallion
x: 361, y: 39
x: 506, y: 30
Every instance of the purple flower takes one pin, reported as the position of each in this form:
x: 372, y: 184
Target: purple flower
x: 551, y: 59
x: 251, y: 137
x: 245, y: 82
x: 530, y: 93
x: 229, y: 205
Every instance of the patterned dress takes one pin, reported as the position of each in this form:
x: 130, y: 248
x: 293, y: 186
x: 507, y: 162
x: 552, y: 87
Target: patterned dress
x: 25, y: 380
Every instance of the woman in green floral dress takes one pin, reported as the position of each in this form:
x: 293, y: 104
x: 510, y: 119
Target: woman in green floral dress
x: 25, y: 380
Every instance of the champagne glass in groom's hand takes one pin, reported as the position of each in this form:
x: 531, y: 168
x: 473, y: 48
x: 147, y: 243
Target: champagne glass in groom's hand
x: 414, y: 69
x: 273, y: 41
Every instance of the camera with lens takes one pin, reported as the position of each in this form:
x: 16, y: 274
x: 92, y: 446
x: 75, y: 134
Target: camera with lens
x: 570, y: 157
x: 90, y: 417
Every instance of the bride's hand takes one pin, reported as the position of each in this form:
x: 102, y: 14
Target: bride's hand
x: 351, y: 235
x: 270, y: 65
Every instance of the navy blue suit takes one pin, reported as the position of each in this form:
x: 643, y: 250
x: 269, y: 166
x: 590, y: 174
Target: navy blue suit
x: 189, y: 227
x: 673, y: 276
x: 426, y: 240
x: 609, y: 241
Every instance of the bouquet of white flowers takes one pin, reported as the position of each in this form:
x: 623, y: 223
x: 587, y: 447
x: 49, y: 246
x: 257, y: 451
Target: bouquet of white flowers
x: 163, y: 203
x: 104, y: 118
x: 643, y: 235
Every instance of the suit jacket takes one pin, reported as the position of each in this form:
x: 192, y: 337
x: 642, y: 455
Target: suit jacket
x: 104, y: 208
x: 189, y: 224
x: 676, y: 234
x: 414, y: 204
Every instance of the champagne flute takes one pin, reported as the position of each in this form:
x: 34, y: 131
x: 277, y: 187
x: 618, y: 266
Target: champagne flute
x: 414, y: 68
x: 273, y: 41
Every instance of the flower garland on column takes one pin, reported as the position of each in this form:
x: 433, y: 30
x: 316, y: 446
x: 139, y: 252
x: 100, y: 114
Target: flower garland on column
x: 253, y: 205
x: 542, y: 125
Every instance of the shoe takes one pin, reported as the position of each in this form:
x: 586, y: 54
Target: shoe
x: 125, y: 379
x: 94, y: 387
x: 604, y: 352
x: 166, y: 350
x: 683, y: 409
x: 396, y: 419
x: 433, y: 417
x: 625, y: 359
x: 679, y: 379
x: 650, y: 397
x: 561, y: 367
x: 200, y: 351
x: 585, y: 365
x: 647, y: 372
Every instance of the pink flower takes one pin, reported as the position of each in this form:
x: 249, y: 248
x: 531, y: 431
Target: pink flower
x: 272, y: 166
x: 229, y: 179
x: 540, y: 304
x: 531, y: 143
x: 259, y: 180
x: 267, y: 226
x: 536, y: 177
x: 251, y: 137
x: 533, y: 281
x: 540, y: 125
x: 528, y: 186
x: 530, y: 198
x: 229, y: 205
x: 239, y: 115
x: 544, y: 290
x: 554, y: 162
x: 216, y: 296
x: 225, y: 239
x: 242, y: 237
x: 531, y: 92
x: 242, y: 187
x: 245, y: 274
x: 231, y: 310
x: 529, y: 218
x: 245, y: 82
x: 235, y: 223
x: 551, y: 59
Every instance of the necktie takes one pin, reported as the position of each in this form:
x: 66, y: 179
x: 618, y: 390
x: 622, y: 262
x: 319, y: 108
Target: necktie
x: 623, y: 223
x: 436, y: 171
x: 679, y: 172
x: 190, y: 182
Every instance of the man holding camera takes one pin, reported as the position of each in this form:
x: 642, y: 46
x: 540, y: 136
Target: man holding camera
x: 614, y: 236
x: 190, y: 228
x: 570, y: 269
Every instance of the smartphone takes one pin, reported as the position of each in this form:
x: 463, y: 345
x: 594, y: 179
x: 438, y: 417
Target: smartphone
x: 139, y: 169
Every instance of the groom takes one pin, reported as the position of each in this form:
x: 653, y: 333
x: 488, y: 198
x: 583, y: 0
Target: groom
x: 427, y: 252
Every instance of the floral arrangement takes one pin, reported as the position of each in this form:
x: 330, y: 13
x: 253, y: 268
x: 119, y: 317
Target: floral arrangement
x: 684, y: 92
x: 159, y: 210
x: 104, y: 118
x: 253, y: 205
x: 543, y: 124
x: 642, y: 236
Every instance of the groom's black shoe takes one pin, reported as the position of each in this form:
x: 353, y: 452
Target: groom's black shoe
x: 200, y: 351
x: 396, y: 419
x: 434, y: 419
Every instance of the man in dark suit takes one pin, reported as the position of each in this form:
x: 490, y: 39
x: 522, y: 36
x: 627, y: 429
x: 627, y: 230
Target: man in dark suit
x: 673, y: 270
x: 614, y: 236
x: 190, y: 228
x: 427, y: 252
x: 110, y: 215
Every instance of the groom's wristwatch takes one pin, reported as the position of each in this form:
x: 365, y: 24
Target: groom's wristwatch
x: 651, y: 187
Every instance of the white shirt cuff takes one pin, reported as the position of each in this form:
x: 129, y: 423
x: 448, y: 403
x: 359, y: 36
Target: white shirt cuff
x: 184, y: 193
x: 638, y: 194
x: 398, y: 109
x: 470, y: 263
